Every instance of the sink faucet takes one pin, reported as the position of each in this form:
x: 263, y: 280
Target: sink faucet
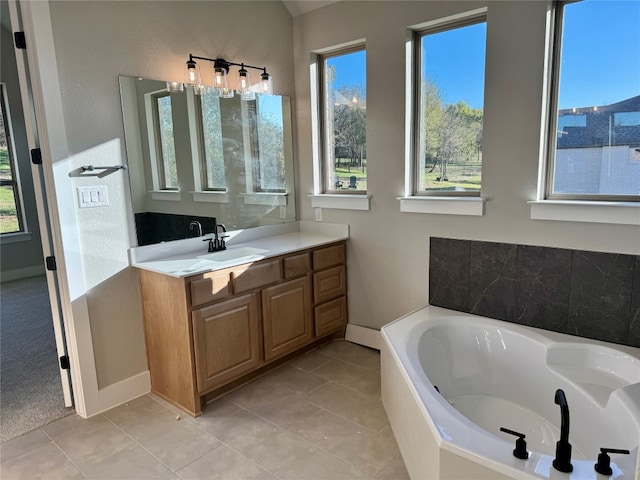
x: 196, y: 224
x: 562, y: 462
x: 217, y: 243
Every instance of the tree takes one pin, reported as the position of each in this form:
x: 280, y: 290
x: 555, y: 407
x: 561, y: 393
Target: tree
x: 350, y: 123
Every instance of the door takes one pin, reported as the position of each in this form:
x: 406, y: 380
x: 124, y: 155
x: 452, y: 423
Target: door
x: 287, y: 317
x: 43, y: 209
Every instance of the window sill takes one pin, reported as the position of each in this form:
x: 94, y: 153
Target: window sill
x: 17, y: 237
x: 168, y: 195
x: 266, y: 198
x: 443, y: 205
x: 211, y: 196
x: 344, y: 202
x: 621, y: 213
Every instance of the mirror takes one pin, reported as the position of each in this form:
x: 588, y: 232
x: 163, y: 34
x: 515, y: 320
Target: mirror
x: 199, y: 157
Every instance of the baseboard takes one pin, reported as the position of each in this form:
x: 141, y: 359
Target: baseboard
x: 19, y: 273
x: 369, y: 337
x: 124, y: 391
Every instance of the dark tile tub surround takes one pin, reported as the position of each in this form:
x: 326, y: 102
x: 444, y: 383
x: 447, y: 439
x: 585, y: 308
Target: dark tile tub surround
x: 154, y: 227
x: 588, y: 294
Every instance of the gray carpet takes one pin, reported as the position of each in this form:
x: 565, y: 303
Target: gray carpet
x: 30, y: 389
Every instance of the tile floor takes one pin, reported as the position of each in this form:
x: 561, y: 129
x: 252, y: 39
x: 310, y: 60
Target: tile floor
x: 317, y: 417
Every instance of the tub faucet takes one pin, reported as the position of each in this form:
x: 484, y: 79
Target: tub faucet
x: 562, y: 462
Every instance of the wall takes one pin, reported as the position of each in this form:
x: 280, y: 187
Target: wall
x: 21, y: 258
x: 96, y: 42
x: 389, y: 250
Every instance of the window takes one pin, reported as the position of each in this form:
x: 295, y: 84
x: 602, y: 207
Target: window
x: 269, y: 169
x: 11, y: 215
x: 165, y: 151
x: 212, y: 160
x: 344, y: 121
x: 594, y: 135
x: 449, y: 79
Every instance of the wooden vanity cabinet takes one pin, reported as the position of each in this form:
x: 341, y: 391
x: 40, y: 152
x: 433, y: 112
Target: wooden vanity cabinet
x: 208, y: 330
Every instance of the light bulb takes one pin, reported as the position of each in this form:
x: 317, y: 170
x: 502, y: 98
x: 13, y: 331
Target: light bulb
x: 244, y: 80
x: 266, y: 83
x: 192, y: 74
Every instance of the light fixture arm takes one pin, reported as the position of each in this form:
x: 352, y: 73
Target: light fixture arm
x: 222, y: 63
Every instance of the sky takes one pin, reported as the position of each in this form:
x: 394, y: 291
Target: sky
x: 601, y: 40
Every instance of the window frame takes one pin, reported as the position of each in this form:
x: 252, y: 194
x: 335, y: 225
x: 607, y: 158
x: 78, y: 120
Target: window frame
x: 465, y: 19
x: 323, y: 119
x: 13, y: 166
x: 551, y: 138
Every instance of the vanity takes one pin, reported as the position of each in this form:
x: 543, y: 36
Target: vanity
x: 212, y: 322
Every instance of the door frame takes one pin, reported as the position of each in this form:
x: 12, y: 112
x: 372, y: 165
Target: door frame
x: 44, y: 118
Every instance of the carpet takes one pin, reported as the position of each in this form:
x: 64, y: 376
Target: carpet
x: 30, y: 390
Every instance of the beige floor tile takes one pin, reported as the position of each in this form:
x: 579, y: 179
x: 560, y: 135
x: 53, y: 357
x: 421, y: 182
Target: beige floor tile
x: 349, y: 404
x: 223, y: 463
x: 359, y: 446
x: 353, y: 353
x: 394, y: 471
x: 275, y: 404
x: 88, y: 441
x: 135, y: 412
x: 215, y: 416
x: 23, y: 444
x: 129, y: 464
x: 351, y: 376
x: 310, y: 361
x: 267, y: 445
x: 174, y: 442
x: 294, y: 379
x: 319, y: 465
x: 43, y: 462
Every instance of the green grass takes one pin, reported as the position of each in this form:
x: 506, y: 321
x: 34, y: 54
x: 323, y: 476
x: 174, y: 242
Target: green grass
x: 8, y: 214
x: 467, y: 178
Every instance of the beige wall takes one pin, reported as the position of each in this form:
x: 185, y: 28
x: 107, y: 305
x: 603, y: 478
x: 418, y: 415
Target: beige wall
x: 95, y: 42
x: 388, y: 250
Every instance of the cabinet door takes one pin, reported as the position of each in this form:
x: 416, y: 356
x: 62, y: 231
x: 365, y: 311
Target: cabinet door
x: 287, y: 319
x: 329, y: 284
x: 227, y: 341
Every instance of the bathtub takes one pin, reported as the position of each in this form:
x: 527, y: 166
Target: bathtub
x: 491, y: 374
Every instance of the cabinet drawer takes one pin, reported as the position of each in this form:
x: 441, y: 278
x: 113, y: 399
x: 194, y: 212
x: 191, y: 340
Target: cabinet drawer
x: 329, y: 284
x: 297, y: 265
x: 330, y: 316
x: 328, y: 257
x: 256, y: 275
x: 211, y: 286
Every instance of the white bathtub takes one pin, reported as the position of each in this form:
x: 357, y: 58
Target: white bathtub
x: 494, y: 374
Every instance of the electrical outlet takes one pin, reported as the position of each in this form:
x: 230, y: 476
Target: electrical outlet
x: 283, y: 212
x: 318, y: 214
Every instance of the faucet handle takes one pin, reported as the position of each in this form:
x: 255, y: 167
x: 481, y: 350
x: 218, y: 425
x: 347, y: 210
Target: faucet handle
x: 603, y: 466
x: 521, y: 445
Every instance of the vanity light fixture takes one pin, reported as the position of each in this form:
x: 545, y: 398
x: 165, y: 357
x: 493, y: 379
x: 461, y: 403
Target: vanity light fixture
x: 220, y: 72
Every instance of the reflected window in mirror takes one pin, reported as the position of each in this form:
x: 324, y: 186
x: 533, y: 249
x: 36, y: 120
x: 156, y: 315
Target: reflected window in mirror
x: 161, y: 141
x: 210, y: 140
x: 266, y: 143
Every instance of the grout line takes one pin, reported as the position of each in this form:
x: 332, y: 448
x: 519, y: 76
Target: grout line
x: 64, y: 453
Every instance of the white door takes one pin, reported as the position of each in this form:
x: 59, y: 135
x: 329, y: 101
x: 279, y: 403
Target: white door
x: 42, y: 207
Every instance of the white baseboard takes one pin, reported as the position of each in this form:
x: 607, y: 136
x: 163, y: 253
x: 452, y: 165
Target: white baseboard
x: 123, y: 391
x: 17, y: 274
x: 369, y: 337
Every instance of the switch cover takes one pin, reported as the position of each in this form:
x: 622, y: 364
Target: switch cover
x: 93, y: 196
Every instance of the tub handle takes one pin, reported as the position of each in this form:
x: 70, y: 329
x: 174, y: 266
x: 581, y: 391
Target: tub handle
x: 521, y: 445
x: 603, y: 466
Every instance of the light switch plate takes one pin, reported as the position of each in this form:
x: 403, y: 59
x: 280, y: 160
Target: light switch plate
x: 95, y: 196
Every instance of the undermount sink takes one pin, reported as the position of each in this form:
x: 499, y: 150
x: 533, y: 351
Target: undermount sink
x: 250, y: 253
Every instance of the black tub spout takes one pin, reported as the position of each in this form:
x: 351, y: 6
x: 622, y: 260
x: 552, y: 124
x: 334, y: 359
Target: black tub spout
x: 562, y: 462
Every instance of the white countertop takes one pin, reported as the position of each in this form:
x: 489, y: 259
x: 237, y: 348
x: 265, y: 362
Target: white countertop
x: 183, y: 258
